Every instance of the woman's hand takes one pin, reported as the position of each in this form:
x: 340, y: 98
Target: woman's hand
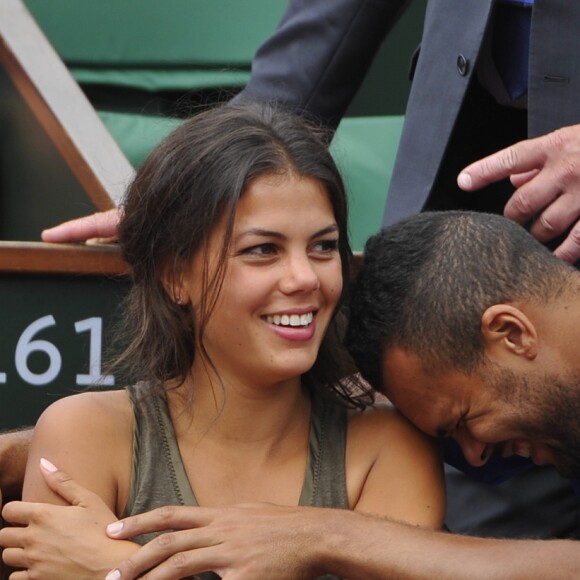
x: 61, y: 542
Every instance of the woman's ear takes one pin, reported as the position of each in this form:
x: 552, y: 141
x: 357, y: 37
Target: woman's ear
x: 172, y: 280
x: 507, y: 330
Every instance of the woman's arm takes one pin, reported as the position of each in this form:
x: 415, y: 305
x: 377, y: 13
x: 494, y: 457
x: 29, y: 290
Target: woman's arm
x: 61, y: 541
x: 86, y: 436
x: 91, y: 436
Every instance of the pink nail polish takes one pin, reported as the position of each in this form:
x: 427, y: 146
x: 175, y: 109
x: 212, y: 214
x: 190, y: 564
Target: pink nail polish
x: 115, y: 527
x: 47, y: 465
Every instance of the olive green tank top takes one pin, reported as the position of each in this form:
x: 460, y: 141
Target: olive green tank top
x: 158, y: 475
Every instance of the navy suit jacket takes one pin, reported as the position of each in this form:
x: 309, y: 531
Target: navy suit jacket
x: 322, y: 49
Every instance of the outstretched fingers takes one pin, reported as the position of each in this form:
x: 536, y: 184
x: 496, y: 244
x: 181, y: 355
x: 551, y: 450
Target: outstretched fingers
x: 160, y: 519
x: 519, y: 159
x: 100, y: 226
x: 172, y: 555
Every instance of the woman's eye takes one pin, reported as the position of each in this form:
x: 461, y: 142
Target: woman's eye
x: 326, y: 246
x: 260, y: 250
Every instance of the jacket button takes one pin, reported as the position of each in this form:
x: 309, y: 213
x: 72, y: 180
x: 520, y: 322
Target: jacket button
x: 462, y: 65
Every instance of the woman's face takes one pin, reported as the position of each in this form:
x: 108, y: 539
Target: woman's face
x: 282, y: 282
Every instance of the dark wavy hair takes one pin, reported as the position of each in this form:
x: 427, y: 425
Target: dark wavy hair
x: 426, y: 281
x: 193, y: 179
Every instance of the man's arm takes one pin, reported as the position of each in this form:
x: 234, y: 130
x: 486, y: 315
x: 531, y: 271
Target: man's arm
x: 14, y: 447
x: 290, y: 543
x: 320, y: 53
x: 375, y: 549
x: 263, y: 541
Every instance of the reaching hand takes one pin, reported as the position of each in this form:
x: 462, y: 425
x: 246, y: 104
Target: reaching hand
x: 61, y: 542
x: 546, y: 174
x: 239, y: 543
x: 100, y: 227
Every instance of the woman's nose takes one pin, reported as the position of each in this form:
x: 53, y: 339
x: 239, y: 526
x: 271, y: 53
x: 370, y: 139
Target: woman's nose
x: 299, y: 275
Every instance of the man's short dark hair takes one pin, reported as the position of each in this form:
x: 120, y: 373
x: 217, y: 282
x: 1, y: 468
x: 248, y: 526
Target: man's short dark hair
x: 426, y: 281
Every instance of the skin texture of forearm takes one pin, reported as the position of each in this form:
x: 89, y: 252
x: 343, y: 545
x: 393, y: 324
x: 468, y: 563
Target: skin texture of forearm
x: 371, y: 548
x: 14, y: 447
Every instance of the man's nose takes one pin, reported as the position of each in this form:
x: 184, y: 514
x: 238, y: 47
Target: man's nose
x: 476, y: 452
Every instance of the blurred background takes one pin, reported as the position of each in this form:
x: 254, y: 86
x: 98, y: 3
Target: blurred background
x: 143, y: 65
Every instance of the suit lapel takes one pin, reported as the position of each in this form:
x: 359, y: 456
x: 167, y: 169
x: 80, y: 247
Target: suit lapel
x: 453, y: 34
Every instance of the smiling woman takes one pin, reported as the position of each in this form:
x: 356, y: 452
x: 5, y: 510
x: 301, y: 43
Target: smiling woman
x: 281, y: 286
x: 235, y: 229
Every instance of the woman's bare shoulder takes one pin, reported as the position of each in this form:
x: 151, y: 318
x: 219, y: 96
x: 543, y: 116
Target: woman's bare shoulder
x: 380, y: 417
x: 381, y: 430
x: 94, y: 407
x: 393, y: 469
x: 99, y: 422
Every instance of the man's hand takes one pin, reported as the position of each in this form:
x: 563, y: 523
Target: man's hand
x: 100, y: 227
x: 64, y: 542
x: 241, y: 542
x: 546, y: 174
x: 14, y: 447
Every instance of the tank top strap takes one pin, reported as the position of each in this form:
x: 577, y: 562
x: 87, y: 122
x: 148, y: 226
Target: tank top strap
x: 158, y: 475
x: 325, y: 478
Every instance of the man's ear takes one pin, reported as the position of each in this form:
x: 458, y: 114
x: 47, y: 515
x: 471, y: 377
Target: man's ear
x: 507, y: 330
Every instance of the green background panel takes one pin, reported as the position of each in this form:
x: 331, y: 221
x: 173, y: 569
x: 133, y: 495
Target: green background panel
x: 154, y: 32
x: 184, y: 44
x: 364, y: 149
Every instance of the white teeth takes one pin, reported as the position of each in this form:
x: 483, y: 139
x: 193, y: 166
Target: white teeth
x: 522, y: 448
x: 290, y: 319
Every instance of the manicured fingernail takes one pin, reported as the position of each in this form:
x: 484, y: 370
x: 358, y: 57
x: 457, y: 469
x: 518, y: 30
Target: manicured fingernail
x: 47, y: 465
x: 113, y: 575
x: 115, y: 527
x: 464, y: 180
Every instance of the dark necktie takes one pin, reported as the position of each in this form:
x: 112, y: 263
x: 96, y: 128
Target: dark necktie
x: 511, y: 44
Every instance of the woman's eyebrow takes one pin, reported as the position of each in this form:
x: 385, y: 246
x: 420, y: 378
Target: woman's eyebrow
x: 259, y: 232
x: 262, y: 232
x: 332, y: 228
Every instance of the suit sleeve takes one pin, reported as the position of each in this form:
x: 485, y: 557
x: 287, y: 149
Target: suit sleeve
x: 320, y: 53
